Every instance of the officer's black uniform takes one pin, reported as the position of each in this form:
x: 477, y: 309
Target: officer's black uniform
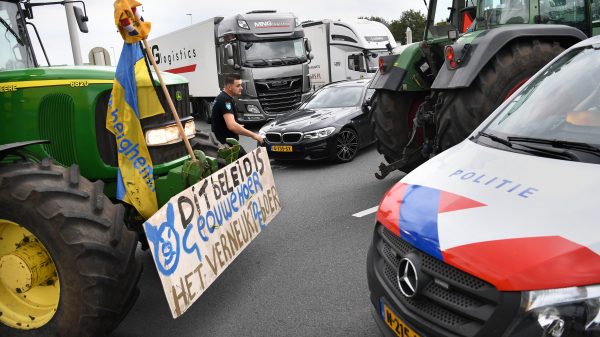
x: 224, y: 104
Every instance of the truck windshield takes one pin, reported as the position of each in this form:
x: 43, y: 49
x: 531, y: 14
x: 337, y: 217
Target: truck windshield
x: 502, y: 12
x: 270, y: 53
x: 13, y: 51
x: 561, y: 104
x: 334, y: 97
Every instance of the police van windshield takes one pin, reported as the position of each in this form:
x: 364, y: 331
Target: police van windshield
x: 562, y: 103
x: 502, y: 12
x: 272, y: 53
x: 13, y: 51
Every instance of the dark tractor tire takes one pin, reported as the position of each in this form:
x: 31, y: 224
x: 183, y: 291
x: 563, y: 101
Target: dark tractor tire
x: 392, y: 118
x: 92, y: 253
x: 205, y: 142
x: 464, y: 109
x: 346, y: 145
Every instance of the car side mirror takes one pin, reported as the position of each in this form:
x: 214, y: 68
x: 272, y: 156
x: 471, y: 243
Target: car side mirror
x: 366, y: 106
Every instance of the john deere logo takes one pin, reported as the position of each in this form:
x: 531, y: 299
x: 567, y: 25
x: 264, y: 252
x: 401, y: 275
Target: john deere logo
x: 178, y: 96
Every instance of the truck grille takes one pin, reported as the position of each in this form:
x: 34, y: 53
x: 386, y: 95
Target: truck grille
x: 453, y: 301
x: 279, y: 94
x: 159, y: 154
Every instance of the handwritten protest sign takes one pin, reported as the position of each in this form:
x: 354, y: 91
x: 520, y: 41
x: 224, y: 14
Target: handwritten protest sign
x: 200, y: 231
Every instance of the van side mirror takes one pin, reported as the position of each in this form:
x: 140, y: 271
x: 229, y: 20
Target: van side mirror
x: 81, y: 19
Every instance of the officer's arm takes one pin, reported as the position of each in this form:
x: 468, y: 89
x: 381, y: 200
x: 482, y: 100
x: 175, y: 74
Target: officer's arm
x: 239, y: 129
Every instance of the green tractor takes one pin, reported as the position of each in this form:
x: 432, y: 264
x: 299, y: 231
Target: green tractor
x: 473, y: 56
x: 67, y: 247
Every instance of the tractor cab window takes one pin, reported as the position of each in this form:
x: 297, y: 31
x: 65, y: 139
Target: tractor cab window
x: 441, y: 20
x: 565, y: 12
x: 504, y: 12
x: 13, y: 50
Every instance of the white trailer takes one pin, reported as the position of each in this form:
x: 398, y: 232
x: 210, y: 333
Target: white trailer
x: 346, y: 49
x: 267, y: 49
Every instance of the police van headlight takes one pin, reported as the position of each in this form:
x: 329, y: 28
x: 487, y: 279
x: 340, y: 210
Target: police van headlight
x: 319, y: 133
x: 560, y: 312
x: 169, y: 134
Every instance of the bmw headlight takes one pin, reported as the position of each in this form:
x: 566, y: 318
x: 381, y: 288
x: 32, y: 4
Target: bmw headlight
x: 566, y: 312
x: 319, y: 133
x: 169, y: 134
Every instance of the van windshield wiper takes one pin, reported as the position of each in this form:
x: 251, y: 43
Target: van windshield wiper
x: 559, y: 144
x: 7, y: 26
x: 495, y: 138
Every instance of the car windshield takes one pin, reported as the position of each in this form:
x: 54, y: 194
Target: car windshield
x: 13, y: 52
x: 289, y: 51
x: 561, y: 104
x: 502, y: 12
x: 334, y: 97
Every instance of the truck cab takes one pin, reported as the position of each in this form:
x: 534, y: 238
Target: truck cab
x: 269, y: 51
x: 346, y: 50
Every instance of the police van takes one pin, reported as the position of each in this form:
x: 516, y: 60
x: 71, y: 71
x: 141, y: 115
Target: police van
x: 500, y: 235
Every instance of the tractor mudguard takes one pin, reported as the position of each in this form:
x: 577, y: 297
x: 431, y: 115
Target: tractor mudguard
x: 480, y: 46
x: 402, y: 72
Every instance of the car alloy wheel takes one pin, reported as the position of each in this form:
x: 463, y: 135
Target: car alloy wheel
x: 346, y: 145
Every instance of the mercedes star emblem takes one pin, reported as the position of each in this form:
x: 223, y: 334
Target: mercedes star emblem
x: 407, y: 278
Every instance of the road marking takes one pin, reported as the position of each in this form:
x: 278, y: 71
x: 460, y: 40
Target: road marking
x: 365, y: 212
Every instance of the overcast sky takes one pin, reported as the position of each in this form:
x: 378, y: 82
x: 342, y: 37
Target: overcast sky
x: 167, y: 16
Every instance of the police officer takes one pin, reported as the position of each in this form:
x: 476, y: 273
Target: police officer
x: 224, y: 124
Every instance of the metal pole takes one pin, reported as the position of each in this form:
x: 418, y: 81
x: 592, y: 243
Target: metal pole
x: 73, y: 33
x: 113, y: 55
x: 408, y: 35
x: 190, y: 18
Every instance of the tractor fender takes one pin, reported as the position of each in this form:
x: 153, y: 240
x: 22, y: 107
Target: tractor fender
x: 400, y: 72
x: 11, y: 147
x: 474, y: 50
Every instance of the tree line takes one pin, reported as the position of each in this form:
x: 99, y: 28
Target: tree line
x: 409, y: 18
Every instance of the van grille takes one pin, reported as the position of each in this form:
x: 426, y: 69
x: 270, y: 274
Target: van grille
x: 280, y: 94
x: 452, y: 301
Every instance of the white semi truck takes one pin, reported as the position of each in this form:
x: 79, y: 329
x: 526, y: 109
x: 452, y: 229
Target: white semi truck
x: 267, y: 49
x: 346, y: 49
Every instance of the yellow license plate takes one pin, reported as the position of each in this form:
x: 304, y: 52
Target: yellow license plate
x: 281, y: 148
x: 396, y: 324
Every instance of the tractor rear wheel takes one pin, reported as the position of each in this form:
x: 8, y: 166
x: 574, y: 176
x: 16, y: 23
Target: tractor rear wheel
x: 393, y: 114
x: 67, y: 261
x: 463, y: 110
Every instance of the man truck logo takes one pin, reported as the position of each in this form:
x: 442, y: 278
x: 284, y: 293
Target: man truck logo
x: 407, y: 278
x: 278, y: 83
x: 271, y: 24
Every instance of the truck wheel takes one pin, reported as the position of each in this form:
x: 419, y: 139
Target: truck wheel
x: 205, y: 110
x: 464, y: 109
x: 393, y: 114
x: 67, y: 261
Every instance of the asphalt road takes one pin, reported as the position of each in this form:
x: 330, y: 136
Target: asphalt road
x: 303, y: 276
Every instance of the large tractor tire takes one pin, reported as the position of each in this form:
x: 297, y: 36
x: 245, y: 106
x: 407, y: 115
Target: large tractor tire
x: 392, y: 117
x: 464, y: 109
x: 67, y: 261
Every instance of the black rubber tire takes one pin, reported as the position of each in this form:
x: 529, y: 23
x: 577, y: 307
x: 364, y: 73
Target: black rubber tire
x: 464, y: 109
x: 338, y: 157
x: 391, y: 123
x: 84, y: 233
x: 206, y: 143
x: 205, y: 111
